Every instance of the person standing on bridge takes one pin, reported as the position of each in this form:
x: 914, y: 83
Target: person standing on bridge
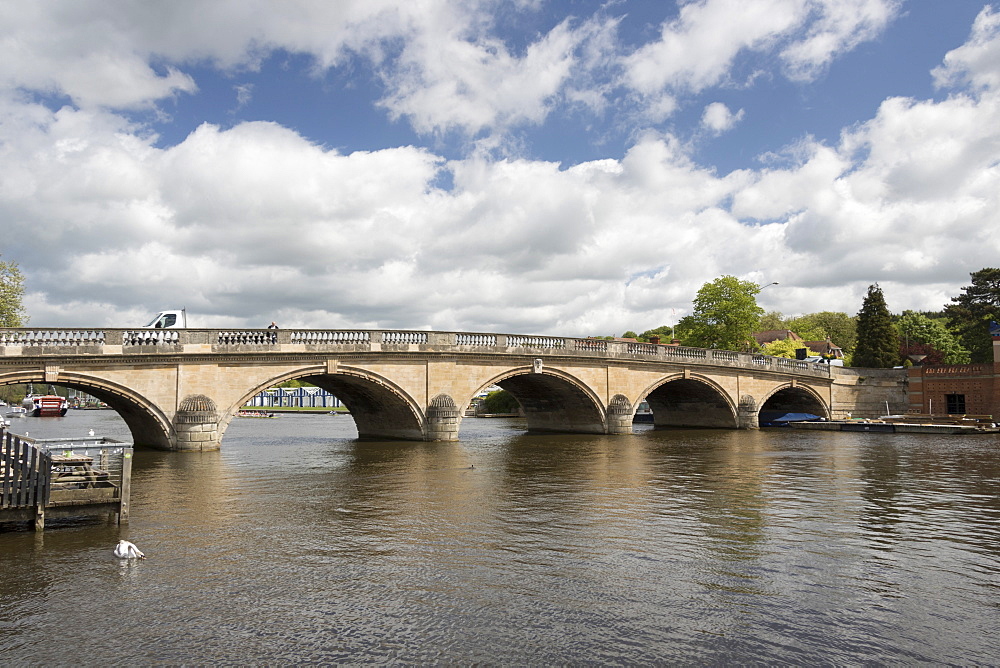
x: 274, y: 337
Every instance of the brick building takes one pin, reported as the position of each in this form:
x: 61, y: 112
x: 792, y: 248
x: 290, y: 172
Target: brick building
x: 957, y: 389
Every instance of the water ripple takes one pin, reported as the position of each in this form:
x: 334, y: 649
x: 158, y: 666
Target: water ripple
x: 689, y: 547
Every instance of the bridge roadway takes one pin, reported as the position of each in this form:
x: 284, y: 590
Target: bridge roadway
x: 179, y: 389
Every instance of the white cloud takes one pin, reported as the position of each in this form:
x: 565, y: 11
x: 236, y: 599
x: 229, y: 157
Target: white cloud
x: 976, y: 62
x: 442, y: 64
x: 450, y: 73
x: 697, y: 50
x: 364, y: 239
x: 444, y: 81
x: 718, y: 118
x: 909, y: 196
x: 244, y: 93
x: 839, y: 26
x: 255, y: 222
x: 81, y: 51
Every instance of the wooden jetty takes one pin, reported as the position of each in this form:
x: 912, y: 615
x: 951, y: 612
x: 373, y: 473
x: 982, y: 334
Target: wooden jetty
x: 911, y: 423
x: 63, y: 477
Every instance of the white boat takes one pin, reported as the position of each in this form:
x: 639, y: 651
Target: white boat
x: 45, y: 405
x: 16, y: 411
x: 643, y: 413
x: 256, y: 414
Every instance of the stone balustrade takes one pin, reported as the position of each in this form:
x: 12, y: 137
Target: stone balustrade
x: 51, y: 337
x: 35, y: 342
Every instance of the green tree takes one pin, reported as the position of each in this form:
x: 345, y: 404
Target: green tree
x: 501, y: 401
x: 878, y: 344
x: 725, y: 315
x: 784, y: 348
x: 970, y: 313
x: 839, y: 327
x: 772, y: 320
x: 806, y: 328
x: 11, y: 293
x: 13, y: 394
x: 291, y: 384
x: 922, y: 336
x: 663, y: 331
x: 685, y: 329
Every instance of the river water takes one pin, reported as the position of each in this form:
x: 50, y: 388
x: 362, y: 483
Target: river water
x: 297, y: 543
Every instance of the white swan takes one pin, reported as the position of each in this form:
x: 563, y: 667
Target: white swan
x: 126, y: 550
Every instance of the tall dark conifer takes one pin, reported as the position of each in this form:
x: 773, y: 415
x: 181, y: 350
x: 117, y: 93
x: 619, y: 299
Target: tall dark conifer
x: 878, y: 343
x: 970, y: 315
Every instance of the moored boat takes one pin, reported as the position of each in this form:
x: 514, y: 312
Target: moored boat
x: 45, y: 405
x: 784, y: 418
x: 643, y: 414
x: 256, y: 414
x: 906, y: 424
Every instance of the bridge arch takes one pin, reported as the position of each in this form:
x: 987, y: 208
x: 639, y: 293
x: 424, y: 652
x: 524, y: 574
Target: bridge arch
x: 413, y: 384
x: 552, y: 400
x: 795, y: 398
x: 147, y: 423
x: 380, y: 408
x: 690, y: 400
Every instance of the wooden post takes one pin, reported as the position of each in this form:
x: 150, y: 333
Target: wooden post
x: 23, y: 477
x: 126, y: 486
x: 7, y: 461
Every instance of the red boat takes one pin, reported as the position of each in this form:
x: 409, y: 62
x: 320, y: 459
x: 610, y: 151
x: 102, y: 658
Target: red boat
x: 45, y: 405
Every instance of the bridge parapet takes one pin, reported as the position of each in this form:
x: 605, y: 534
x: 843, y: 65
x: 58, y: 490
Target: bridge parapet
x: 51, y: 337
x: 689, y: 353
x: 53, y: 342
x: 314, y: 337
x: 535, y: 342
x: 149, y: 337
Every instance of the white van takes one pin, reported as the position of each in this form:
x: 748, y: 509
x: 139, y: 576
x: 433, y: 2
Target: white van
x: 168, y: 320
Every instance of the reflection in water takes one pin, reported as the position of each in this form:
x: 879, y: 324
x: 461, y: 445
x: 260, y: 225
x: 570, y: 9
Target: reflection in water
x: 882, y: 512
x: 298, y: 543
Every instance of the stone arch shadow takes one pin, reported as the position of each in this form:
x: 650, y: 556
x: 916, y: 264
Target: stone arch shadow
x: 794, y: 398
x: 692, y: 401
x: 148, y: 425
x: 552, y: 400
x: 380, y: 408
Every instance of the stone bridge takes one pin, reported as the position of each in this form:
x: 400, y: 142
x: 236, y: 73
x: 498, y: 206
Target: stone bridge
x: 179, y: 389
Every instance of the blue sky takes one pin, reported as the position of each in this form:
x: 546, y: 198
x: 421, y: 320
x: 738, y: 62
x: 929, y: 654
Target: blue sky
x: 338, y: 107
x: 567, y: 168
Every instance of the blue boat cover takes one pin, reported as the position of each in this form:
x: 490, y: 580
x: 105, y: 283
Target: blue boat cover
x: 781, y: 418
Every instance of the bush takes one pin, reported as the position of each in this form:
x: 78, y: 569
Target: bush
x: 501, y: 401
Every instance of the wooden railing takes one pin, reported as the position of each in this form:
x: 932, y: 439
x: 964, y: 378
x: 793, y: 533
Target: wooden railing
x: 24, y: 473
x: 69, y: 476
